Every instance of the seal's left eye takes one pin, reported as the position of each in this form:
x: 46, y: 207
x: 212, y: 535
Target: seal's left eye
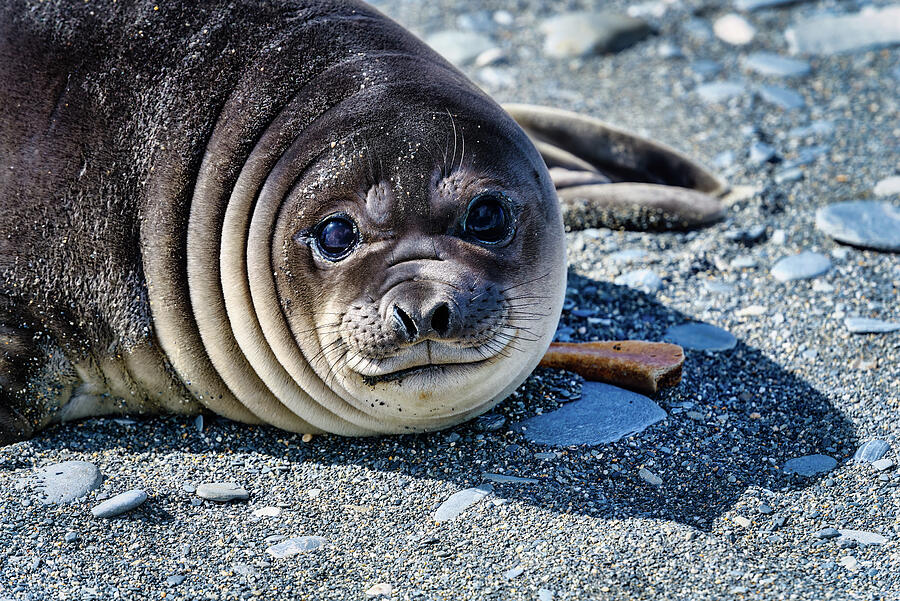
x: 488, y: 219
x: 336, y: 236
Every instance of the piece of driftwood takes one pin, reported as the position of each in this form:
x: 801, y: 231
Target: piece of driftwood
x: 638, y: 365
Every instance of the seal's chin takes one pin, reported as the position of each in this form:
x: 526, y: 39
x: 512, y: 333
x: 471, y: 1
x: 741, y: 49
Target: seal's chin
x: 428, y: 370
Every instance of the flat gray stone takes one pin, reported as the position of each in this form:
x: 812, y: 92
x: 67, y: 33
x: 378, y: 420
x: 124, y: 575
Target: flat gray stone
x: 119, y: 504
x: 734, y: 29
x: 459, y: 47
x: 751, y: 5
x: 604, y: 414
x: 222, y: 492
x: 583, y: 33
x: 760, y: 153
x: 803, y: 266
x: 460, y: 501
x: 818, y: 128
x: 834, y: 34
x: 827, y: 533
x: 504, y: 479
x: 862, y: 537
x: 783, y: 98
x: 295, y: 546
x: 63, y: 482
x: 867, y: 325
x: 701, y: 337
x: 642, y: 279
x: 718, y: 92
x: 769, y: 63
x: 649, y: 477
x: 889, y: 186
x: 885, y: 463
x: 871, y: 451
x: 810, y: 465
x: 865, y: 223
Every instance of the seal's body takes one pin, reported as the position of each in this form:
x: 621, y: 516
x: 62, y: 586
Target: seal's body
x: 291, y: 212
x: 287, y: 212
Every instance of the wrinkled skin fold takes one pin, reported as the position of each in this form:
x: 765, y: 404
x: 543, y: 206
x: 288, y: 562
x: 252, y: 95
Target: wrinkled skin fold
x: 169, y: 180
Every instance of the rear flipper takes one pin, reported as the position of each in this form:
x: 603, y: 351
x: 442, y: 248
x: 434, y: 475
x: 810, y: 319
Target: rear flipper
x: 607, y: 177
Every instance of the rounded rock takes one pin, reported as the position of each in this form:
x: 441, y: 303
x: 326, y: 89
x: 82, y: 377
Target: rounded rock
x: 64, y: 482
x: 869, y: 224
x: 119, y: 504
x: 222, y: 492
x: 803, y: 266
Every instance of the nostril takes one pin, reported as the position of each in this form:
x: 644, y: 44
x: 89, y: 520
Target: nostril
x: 405, y: 322
x: 440, y: 319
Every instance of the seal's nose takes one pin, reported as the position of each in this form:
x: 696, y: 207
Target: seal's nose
x: 414, y: 321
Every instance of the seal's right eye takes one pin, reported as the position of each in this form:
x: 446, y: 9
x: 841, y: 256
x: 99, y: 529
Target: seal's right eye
x: 336, y: 236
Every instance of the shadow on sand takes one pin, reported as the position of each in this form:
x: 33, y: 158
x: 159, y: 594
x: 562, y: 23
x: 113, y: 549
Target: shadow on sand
x: 733, y: 422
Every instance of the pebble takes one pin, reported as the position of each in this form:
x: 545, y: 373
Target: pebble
x: 751, y: 5
x: 459, y: 47
x: 883, y: 464
x: 862, y: 537
x: 849, y: 562
x: 460, y: 501
x: 267, y: 512
x: 701, y: 337
x: 706, y: 68
x: 810, y: 465
x: 382, y: 589
x: 769, y: 63
x: 71, y: 537
x: 889, y: 186
x: 669, y: 50
x: 765, y: 509
x: 514, y: 572
x: 642, y: 279
x: 870, y: 224
x: 490, y: 422
x: 222, y: 492
x: 803, y: 266
x: 627, y: 255
x: 819, y: 128
x: 544, y: 594
x: 119, y: 504
x: 734, y: 29
x: 718, y: 92
x: 834, y: 34
x: 295, y: 546
x: 603, y: 415
x: 649, y: 477
x: 583, y: 33
x: 788, y: 176
x: 176, y: 579
x: 783, y: 98
x: 867, y: 325
x: 742, y: 521
x: 871, y: 451
x: 827, y: 533
x: 760, y: 153
x: 63, y: 482
x: 504, y: 479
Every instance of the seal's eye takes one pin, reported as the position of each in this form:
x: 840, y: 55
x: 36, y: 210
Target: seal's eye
x: 488, y: 219
x: 336, y: 236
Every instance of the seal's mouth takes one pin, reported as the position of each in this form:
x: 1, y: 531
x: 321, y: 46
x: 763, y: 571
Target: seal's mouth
x: 428, y: 368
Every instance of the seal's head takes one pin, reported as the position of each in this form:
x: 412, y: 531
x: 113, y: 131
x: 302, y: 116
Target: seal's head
x: 422, y: 275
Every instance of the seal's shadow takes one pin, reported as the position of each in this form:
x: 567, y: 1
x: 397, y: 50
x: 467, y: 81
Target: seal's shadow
x: 733, y: 422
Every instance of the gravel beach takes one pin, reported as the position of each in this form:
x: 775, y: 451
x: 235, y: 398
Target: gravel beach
x: 771, y: 474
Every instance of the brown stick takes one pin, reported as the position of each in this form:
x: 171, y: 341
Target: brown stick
x: 641, y: 366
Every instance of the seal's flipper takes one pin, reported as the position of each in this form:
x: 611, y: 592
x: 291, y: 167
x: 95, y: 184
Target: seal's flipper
x: 652, y: 186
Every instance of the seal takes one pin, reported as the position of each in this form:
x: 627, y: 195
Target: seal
x: 291, y: 213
